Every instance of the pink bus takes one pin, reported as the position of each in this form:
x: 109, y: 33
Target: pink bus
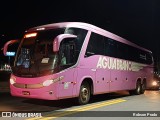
x: 73, y: 59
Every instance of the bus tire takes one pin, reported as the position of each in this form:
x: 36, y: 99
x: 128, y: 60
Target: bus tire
x: 138, y: 90
x: 143, y: 87
x: 84, y: 94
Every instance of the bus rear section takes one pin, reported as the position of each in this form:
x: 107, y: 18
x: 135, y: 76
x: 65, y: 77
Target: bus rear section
x: 117, y: 64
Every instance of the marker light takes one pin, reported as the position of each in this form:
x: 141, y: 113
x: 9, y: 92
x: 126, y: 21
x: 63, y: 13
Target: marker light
x: 40, y: 28
x: 30, y: 35
x: 12, y: 81
x: 154, y: 83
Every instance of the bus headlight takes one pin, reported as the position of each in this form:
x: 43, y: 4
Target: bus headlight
x: 12, y: 81
x: 47, y: 82
x: 154, y: 83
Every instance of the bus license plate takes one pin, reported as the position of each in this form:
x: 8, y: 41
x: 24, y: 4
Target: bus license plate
x: 25, y: 92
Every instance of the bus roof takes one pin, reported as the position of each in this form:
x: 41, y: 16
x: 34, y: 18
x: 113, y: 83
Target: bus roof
x: 87, y: 27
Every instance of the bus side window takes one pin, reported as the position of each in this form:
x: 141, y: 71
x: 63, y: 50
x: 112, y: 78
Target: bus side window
x: 67, y: 52
x: 122, y: 51
x: 149, y: 58
x: 95, y: 45
x: 110, y: 47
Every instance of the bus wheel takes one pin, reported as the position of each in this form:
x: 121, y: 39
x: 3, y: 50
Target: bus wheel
x: 143, y: 87
x: 138, y: 90
x: 85, y: 93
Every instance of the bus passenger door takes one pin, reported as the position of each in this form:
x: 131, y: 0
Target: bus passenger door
x: 67, y: 61
x: 65, y: 87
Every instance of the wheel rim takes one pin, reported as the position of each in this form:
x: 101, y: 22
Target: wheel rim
x: 84, y: 94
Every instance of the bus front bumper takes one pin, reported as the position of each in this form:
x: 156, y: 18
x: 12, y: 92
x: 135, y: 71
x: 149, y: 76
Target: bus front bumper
x: 45, y: 93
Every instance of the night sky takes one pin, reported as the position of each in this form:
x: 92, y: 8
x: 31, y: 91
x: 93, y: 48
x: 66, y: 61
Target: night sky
x: 134, y: 20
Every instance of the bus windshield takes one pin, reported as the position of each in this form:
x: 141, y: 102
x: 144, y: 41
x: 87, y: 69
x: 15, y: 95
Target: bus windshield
x: 35, y: 56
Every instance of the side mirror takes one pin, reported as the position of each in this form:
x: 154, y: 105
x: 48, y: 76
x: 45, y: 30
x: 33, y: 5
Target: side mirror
x: 5, y: 48
x: 58, y: 39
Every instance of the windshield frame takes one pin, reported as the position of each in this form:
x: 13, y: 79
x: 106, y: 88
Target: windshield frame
x: 58, y: 68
